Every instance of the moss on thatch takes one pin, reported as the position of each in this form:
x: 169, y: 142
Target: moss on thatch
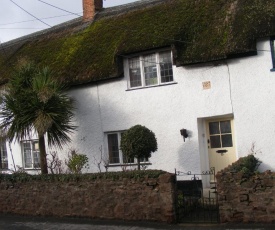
x: 198, y: 31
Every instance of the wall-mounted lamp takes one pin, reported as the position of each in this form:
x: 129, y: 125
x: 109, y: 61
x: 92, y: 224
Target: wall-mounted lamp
x: 184, y: 133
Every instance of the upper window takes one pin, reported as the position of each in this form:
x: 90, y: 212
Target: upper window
x: 3, y: 155
x: 31, y: 154
x: 272, y: 44
x: 150, y: 69
x: 115, y: 154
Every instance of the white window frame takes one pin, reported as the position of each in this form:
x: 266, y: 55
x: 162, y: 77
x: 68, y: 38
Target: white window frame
x: 141, y: 58
x: 32, y: 153
x: 120, y: 152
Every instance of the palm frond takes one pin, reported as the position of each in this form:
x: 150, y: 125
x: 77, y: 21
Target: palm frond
x: 34, y: 101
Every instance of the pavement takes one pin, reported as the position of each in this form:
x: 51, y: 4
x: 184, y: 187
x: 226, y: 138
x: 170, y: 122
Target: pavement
x: 8, y: 222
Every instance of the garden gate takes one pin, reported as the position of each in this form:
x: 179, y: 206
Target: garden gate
x: 193, y: 204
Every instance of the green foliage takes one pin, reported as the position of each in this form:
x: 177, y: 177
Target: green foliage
x: 34, y: 101
x: 42, y: 105
x: 248, y: 165
x: 133, y: 175
x: 77, y: 162
x: 138, y: 142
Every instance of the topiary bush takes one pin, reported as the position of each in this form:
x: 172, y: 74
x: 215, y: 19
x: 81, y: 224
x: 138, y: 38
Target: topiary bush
x: 138, y: 142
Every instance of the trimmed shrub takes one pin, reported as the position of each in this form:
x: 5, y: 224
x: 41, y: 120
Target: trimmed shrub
x: 138, y: 142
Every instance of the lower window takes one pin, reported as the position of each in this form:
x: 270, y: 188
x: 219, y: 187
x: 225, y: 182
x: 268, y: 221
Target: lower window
x: 31, y: 154
x: 115, y: 154
x: 3, y: 156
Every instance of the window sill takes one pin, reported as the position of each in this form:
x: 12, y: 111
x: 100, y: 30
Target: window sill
x: 6, y: 171
x: 130, y: 164
x: 272, y: 70
x: 152, y: 86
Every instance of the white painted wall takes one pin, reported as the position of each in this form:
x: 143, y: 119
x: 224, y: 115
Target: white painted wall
x: 253, y: 99
x: 243, y: 88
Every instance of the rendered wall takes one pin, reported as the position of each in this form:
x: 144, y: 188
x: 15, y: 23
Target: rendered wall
x: 149, y: 199
x: 253, y: 95
x: 242, y: 88
x: 165, y: 110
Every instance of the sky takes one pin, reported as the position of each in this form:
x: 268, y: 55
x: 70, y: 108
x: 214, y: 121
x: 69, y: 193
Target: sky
x: 16, y: 22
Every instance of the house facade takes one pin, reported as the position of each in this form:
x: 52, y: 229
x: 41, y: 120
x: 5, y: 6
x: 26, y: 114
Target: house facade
x: 206, y: 109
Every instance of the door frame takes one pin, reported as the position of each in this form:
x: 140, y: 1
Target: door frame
x: 203, y: 145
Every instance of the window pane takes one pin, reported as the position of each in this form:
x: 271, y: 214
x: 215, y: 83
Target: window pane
x: 227, y: 140
x: 113, y: 148
x: 225, y: 127
x: 35, y: 146
x: 31, y: 154
x: 214, y: 128
x: 166, y: 70
x: 36, y: 159
x: 134, y: 71
x: 150, y: 69
x: 215, y: 141
x: 4, y: 156
x: 27, y: 154
x: 36, y: 154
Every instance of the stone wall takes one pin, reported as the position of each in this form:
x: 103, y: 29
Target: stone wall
x: 246, y: 199
x: 150, y: 199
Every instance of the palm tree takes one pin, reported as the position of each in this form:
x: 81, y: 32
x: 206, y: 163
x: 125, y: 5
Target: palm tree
x: 35, y: 102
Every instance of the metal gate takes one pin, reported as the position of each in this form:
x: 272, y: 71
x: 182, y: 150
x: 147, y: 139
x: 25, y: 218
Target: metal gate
x: 192, y: 204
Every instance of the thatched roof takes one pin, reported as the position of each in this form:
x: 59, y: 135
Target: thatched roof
x: 196, y: 30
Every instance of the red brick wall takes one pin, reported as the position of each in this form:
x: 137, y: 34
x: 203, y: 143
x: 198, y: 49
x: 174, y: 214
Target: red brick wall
x: 90, y: 7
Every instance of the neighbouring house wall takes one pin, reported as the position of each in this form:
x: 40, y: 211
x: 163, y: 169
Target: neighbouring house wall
x: 242, y: 88
x: 243, y: 199
x: 150, y: 199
